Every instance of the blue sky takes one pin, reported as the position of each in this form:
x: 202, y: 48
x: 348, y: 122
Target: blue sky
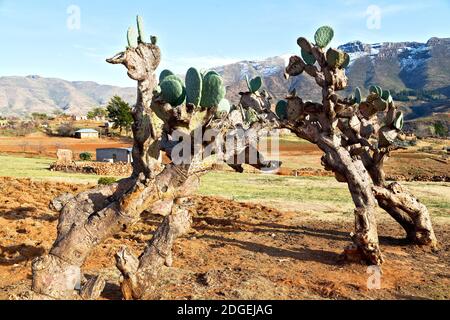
x: 36, y: 38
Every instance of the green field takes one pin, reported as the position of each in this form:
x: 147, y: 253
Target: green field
x: 37, y: 168
x: 316, y: 196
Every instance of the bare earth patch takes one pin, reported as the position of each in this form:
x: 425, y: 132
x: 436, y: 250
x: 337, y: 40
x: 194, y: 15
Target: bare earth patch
x: 235, y: 251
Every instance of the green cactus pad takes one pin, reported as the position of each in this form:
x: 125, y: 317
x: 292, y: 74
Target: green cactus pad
x: 154, y: 40
x: 379, y: 91
x: 282, y: 110
x: 164, y: 74
x: 358, y: 95
x: 211, y: 72
x: 308, y: 57
x: 173, y: 90
x: 399, y: 121
x: 224, y: 107
x: 194, y: 85
x: 385, y: 95
x: 254, y: 85
x: 213, y: 90
x: 376, y: 89
x: 141, y: 29
x: 324, y: 36
x: 132, y: 38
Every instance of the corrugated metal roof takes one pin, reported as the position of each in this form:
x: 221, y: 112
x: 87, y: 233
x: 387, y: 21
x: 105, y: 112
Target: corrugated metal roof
x: 87, y: 131
x: 128, y: 149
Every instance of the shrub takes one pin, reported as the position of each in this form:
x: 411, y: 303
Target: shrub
x: 107, y: 181
x: 66, y: 130
x: 85, y: 156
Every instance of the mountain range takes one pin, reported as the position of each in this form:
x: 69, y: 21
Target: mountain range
x: 394, y: 66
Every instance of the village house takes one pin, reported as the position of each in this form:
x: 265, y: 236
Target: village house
x: 115, y: 155
x: 87, y: 134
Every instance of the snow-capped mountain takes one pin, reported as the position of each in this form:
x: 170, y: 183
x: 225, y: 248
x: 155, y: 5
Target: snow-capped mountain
x: 394, y: 66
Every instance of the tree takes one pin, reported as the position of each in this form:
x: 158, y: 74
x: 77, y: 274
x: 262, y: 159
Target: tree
x: 440, y: 129
x: 97, y: 112
x: 88, y: 219
x: 120, y: 113
x: 356, y: 136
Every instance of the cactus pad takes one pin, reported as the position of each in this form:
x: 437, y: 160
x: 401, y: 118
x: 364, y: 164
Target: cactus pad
x: 141, y: 29
x: 335, y: 58
x: 308, y: 57
x: 173, y: 91
x: 399, y: 121
x: 132, y: 38
x: 324, y: 36
x: 346, y: 61
x: 224, y: 107
x: 385, y: 95
x: 282, y: 110
x: 164, y: 74
x: 254, y: 85
x: 194, y: 85
x: 213, y: 90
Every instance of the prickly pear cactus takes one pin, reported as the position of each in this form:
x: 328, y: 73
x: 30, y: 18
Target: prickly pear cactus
x: 194, y: 86
x: 141, y: 29
x: 132, y: 38
x: 164, y: 74
x: 308, y: 57
x: 154, y: 40
x: 213, y: 90
x: 282, y: 109
x: 173, y: 90
x: 324, y: 36
x: 254, y: 85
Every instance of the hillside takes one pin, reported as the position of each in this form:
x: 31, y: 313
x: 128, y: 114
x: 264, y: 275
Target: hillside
x: 21, y: 96
x: 395, y: 66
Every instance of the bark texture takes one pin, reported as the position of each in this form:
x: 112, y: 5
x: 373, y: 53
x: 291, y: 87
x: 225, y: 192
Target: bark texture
x: 356, y: 137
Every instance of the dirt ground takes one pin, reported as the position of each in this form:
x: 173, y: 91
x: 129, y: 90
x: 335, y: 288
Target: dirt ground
x: 235, y: 251
x: 39, y: 144
x: 412, y: 164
